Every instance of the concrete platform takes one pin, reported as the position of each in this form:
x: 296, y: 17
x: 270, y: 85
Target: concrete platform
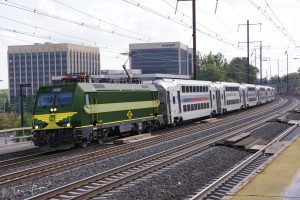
x: 279, y: 180
x: 293, y: 122
x: 256, y: 147
x: 249, y: 142
x: 232, y: 140
x: 275, y: 147
x: 10, y: 148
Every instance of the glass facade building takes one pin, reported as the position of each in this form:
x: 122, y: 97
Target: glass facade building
x: 37, y: 64
x: 162, y: 58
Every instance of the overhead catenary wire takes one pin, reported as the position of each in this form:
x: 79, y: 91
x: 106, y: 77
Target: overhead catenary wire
x: 151, y: 56
x: 101, y: 20
x: 82, y: 40
x: 177, y: 21
x: 83, y: 24
x: 268, y: 17
x: 190, y: 18
x: 6, y: 36
x: 45, y: 37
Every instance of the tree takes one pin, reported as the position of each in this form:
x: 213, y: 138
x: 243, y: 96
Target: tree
x: 236, y: 71
x: 211, y: 67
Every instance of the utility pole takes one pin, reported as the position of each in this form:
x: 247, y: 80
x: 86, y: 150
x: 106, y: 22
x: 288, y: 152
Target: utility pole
x: 260, y: 64
x: 247, y: 75
x: 278, y: 76
x: 248, y: 65
x: 255, y: 58
x: 21, y: 93
x: 194, y: 37
x: 270, y: 72
x: 287, y: 72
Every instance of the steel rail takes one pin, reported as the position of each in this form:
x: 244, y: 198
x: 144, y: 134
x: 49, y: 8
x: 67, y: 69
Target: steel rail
x: 23, y: 160
x: 36, y: 172
x: 205, y: 192
x: 99, y: 188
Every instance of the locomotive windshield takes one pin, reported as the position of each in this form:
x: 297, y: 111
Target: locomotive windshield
x: 45, y: 99
x: 61, y: 98
x: 64, y: 98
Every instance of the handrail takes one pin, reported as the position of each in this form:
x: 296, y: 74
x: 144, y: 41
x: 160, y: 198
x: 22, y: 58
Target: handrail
x: 15, y: 129
x: 14, y: 134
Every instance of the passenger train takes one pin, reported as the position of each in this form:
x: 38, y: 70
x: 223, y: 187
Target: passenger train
x: 68, y: 115
x: 183, y: 100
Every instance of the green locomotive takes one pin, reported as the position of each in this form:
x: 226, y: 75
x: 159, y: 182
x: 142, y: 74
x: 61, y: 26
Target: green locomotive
x: 80, y: 113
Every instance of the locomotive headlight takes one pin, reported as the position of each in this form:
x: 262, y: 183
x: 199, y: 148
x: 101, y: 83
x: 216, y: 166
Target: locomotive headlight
x: 68, y: 124
x: 54, y: 109
x: 51, y: 109
x: 36, y: 127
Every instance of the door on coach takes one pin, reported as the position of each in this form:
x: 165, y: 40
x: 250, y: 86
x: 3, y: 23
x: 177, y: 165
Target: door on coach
x: 218, y: 100
x: 244, y: 98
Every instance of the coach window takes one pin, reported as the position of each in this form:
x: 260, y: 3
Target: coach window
x: 183, y: 89
x: 184, y: 108
x: 194, y: 88
x: 199, y: 106
x: 174, y: 100
x: 187, y: 89
x: 206, y: 89
x: 188, y: 107
x: 192, y: 106
x: 191, y: 88
x: 198, y: 89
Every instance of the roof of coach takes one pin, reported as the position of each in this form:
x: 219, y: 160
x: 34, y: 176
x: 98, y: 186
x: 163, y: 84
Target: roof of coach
x: 229, y: 84
x: 183, y: 82
x: 261, y: 86
x: 93, y: 87
x: 245, y: 86
x: 249, y: 85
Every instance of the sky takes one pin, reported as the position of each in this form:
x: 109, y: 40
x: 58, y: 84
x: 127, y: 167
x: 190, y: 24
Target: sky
x: 112, y: 25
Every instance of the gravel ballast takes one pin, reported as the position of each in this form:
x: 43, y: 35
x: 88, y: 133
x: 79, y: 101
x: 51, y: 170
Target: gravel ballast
x: 293, y: 116
x: 43, y: 184
x: 184, y: 178
x: 270, y: 131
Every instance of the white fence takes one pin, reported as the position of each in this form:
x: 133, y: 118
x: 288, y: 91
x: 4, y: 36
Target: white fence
x: 15, y: 135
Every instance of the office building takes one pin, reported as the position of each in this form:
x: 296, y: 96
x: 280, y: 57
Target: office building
x: 36, y: 64
x: 162, y: 58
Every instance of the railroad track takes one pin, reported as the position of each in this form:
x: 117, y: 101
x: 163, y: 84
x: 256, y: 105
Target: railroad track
x: 36, y: 172
x: 29, y: 159
x: 228, y: 181
x: 106, y: 181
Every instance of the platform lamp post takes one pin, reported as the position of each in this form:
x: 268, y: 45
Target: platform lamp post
x: 21, y: 93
